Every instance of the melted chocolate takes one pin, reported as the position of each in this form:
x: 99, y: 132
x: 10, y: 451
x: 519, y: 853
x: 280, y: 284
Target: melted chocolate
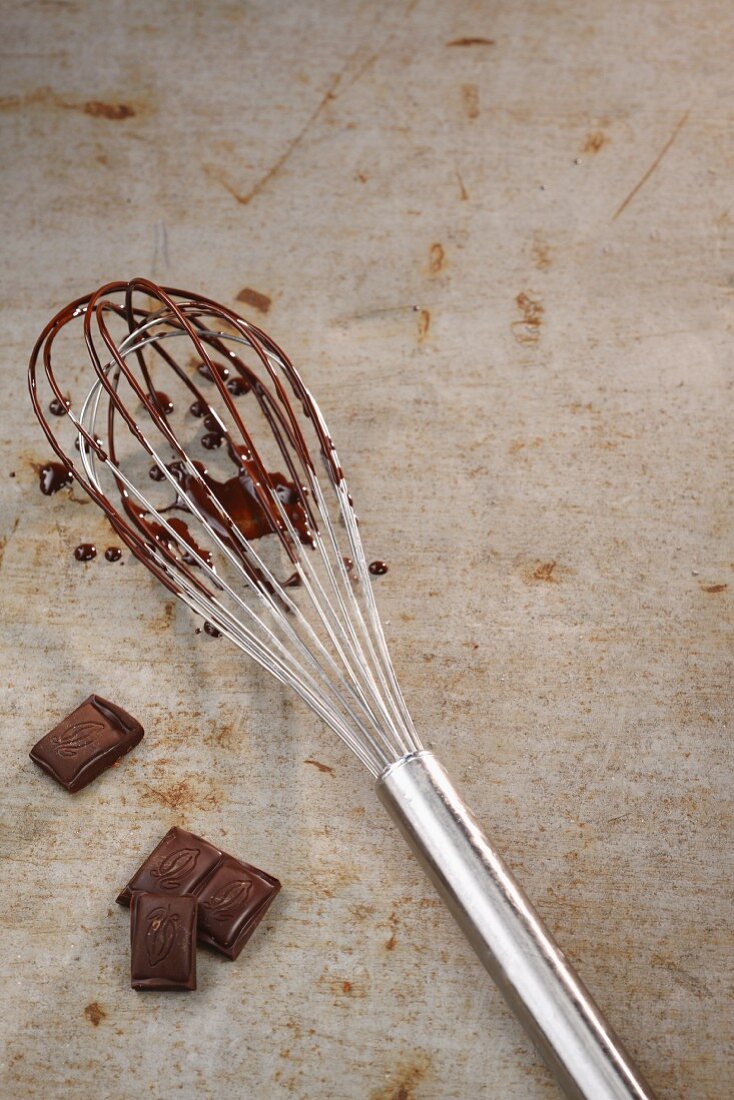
x: 52, y: 477
x: 239, y: 500
x: 378, y: 568
x: 212, y: 440
x: 205, y: 372
x: 348, y: 564
x: 156, y: 474
x: 59, y: 408
x: 246, y: 508
x: 162, y: 401
x: 113, y: 553
x: 85, y: 551
x: 238, y: 385
x: 211, y: 630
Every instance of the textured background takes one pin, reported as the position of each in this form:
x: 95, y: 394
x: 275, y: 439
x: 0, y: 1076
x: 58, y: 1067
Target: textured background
x: 540, y: 451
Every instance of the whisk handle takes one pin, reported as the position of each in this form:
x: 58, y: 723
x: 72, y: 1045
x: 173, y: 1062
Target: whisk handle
x: 536, y: 979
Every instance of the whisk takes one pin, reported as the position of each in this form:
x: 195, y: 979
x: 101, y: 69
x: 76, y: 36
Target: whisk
x: 251, y: 524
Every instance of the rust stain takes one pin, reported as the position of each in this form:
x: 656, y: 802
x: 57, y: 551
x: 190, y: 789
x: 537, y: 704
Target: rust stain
x: 463, y: 193
x: 527, y: 331
x: 436, y: 258
x: 320, y: 766
x: 424, y: 323
x: 95, y: 108
x: 470, y: 100
x: 185, y: 794
x: 714, y: 587
x: 113, y: 111
x: 541, y: 252
x: 392, y: 920
x: 655, y: 164
x: 594, y: 141
x: 405, y: 1081
x: 346, y: 987
x: 255, y: 299
x: 244, y: 199
x: 471, y: 41
x: 544, y: 572
x: 95, y: 1013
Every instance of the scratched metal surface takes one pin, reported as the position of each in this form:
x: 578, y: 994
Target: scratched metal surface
x: 539, y: 450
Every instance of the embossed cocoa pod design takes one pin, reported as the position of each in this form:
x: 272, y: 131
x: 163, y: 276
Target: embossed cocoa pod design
x: 161, y: 934
x: 72, y: 740
x: 225, y: 903
x: 173, y: 867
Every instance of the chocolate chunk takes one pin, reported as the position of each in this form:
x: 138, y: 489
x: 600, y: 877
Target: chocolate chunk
x: 233, y: 896
x: 86, y: 743
x: 163, y: 941
x: 232, y: 902
x: 178, y: 865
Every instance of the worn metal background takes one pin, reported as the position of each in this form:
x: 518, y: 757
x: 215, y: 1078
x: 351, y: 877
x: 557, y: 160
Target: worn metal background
x: 540, y: 451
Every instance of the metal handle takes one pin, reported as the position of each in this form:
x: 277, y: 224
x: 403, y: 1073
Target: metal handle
x: 537, y: 981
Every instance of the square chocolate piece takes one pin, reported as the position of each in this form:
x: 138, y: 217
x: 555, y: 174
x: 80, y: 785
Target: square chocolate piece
x: 163, y: 941
x: 90, y: 740
x: 177, y: 866
x: 232, y: 902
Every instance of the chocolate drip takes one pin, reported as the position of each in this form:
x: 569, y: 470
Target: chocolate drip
x: 52, y: 477
x: 85, y: 551
x: 378, y: 568
x: 59, y: 408
x: 211, y: 630
x: 162, y: 401
x: 198, y: 408
x: 212, y: 440
x: 205, y: 370
x: 238, y: 385
x: 113, y: 553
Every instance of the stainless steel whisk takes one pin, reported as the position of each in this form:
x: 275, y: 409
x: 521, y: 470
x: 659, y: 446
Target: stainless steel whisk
x: 224, y: 547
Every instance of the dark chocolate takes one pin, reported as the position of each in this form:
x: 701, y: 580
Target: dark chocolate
x: 52, y: 477
x: 163, y: 941
x: 378, y: 568
x: 162, y: 401
x: 85, y: 551
x: 178, y: 865
x: 238, y: 385
x: 232, y: 902
x: 113, y: 553
x: 233, y: 896
x: 59, y: 408
x: 90, y: 740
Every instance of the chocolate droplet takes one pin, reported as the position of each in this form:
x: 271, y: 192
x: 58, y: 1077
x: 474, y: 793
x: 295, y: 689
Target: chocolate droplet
x: 378, y: 568
x: 212, y: 630
x: 59, y: 408
x: 113, y: 553
x: 198, y: 408
x: 52, y: 477
x: 237, y: 386
x: 212, y: 440
x: 85, y: 551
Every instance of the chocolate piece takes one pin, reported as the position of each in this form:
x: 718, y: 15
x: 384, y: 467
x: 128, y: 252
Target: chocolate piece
x: 86, y: 743
x: 178, y: 865
x: 232, y: 902
x: 163, y: 941
x: 233, y: 896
